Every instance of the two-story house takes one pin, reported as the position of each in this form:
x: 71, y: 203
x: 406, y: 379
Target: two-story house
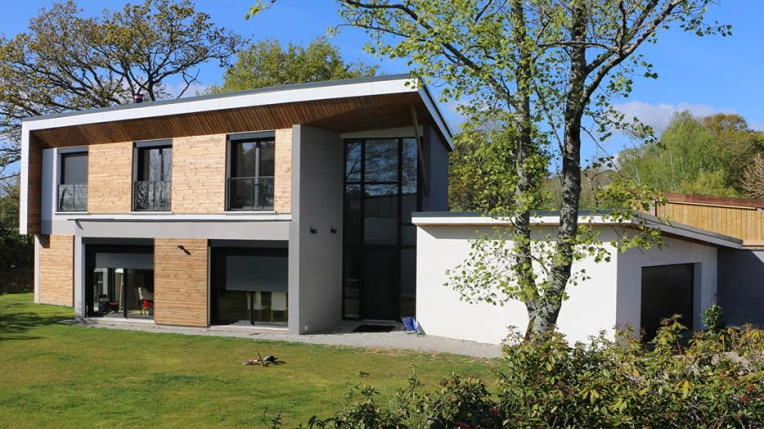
x: 286, y: 206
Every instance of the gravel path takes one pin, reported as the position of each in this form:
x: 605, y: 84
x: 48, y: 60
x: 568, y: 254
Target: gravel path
x: 341, y: 336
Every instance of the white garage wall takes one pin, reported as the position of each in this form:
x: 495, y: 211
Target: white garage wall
x: 675, y: 251
x: 591, y: 307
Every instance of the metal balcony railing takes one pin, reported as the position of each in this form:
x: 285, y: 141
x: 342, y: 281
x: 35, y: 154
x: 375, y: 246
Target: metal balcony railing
x: 152, y: 195
x: 250, y: 193
x: 73, y: 198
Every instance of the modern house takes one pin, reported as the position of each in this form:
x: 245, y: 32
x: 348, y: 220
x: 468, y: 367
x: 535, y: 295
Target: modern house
x: 286, y: 207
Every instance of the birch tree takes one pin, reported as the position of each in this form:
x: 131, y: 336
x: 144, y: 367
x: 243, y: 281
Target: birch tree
x: 547, y: 70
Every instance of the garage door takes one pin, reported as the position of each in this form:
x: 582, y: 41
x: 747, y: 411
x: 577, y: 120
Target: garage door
x: 666, y: 290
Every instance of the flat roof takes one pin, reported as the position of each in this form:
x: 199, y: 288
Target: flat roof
x: 550, y: 218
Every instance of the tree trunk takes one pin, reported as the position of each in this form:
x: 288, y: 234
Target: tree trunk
x: 545, y: 313
x: 524, y: 187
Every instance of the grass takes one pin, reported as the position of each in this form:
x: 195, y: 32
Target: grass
x: 58, y: 375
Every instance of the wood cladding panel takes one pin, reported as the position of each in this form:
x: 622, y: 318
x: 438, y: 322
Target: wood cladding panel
x: 110, y: 176
x: 745, y: 223
x: 34, y: 187
x: 198, y: 174
x: 180, y: 282
x: 282, y: 186
x: 56, y: 269
x: 338, y: 115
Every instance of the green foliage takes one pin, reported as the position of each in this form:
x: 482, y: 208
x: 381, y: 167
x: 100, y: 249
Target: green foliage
x: 706, y: 156
x: 602, y: 384
x: 16, y: 251
x: 713, y: 319
x: 266, y: 64
x: 753, y: 178
x: 481, y: 170
x: 70, y: 62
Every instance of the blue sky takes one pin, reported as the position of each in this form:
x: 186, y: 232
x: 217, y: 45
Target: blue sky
x: 704, y: 75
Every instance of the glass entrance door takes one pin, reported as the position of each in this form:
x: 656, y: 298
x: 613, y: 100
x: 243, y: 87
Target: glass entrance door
x: 381, y: 192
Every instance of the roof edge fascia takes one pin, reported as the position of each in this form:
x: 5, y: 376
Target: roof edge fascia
x: 362, y: 87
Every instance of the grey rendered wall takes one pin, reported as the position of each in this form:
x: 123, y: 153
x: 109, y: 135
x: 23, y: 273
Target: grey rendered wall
x: 741, y: 286
x: 315, y: 252
x: 436, y: 167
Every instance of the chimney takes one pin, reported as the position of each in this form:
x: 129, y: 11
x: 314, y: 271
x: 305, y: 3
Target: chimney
x: 137, y: 98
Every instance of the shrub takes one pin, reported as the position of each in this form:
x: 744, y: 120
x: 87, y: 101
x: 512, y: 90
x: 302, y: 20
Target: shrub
x: 547, y: 383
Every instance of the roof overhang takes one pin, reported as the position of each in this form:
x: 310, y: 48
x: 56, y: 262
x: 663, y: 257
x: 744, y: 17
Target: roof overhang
x: 340, y: 106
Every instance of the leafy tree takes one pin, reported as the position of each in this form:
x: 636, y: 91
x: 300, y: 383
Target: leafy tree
x: 16, y: 251
x: 753, y: 180
x: 540, y: 67
x: 696, y: 156
x: 70, y: 62
x: 736, y: 144
x: 266, y: 63
x: 479, y: 173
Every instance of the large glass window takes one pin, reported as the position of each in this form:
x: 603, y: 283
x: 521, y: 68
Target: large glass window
x: 73, y: 186
x: 250, y: 285
x: 153, y: 177
x: 379, y: 254
x: 120, y: 281
x: 250, y: 173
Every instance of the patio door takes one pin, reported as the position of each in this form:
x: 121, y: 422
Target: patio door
x: 381, y: 192
x: 119, y: 281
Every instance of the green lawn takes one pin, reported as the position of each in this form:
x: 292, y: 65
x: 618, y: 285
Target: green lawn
x: 56, y: 375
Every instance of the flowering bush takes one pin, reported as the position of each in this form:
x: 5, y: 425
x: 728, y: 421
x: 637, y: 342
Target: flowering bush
x: 547, y: 383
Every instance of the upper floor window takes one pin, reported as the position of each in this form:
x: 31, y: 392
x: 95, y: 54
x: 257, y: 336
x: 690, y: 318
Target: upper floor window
x: 73, y: 184
x: 250, y: 171
x: 153, y: 176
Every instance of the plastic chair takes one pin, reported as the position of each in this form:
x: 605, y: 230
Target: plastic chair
x: 410, y: 325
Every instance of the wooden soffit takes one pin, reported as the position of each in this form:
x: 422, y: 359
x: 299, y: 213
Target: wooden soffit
x: 339, y: 115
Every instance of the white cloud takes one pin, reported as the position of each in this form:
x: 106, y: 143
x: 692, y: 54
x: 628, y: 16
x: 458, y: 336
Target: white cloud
x: 659, y: 115
x: 193, y: 90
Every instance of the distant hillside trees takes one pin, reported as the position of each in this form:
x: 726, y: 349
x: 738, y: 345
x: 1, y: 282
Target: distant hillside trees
x: 267, y: 63
x: 706, y: 156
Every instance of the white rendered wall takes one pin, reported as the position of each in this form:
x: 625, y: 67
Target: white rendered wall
x: 674, y: 251
x: 590, y: 308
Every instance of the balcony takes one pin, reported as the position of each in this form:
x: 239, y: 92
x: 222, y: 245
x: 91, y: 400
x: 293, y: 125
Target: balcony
x: 250, y: 193
x: 152, y: 195
x: 73, y: 198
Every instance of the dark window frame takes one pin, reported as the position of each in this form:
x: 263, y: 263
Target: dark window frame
x: 138, y: 148
x: 243, y: 138
x: 61, y: 156
x: 360, y: 247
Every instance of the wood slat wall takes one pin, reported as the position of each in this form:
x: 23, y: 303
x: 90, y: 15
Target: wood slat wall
x: 282, y: 192
x: 198, y: 174
x: 180, y: 282
x: 34, y: 188
x: 110, y: 178
x: 56, y: 269
x: 745, y: 223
